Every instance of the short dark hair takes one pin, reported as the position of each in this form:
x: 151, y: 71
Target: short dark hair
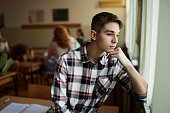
x: 101, y: 19
x: 81, y: 32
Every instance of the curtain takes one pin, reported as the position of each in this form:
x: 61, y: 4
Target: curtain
x: 148, y: 42
x: 131, y: 28
x: 150, y: 12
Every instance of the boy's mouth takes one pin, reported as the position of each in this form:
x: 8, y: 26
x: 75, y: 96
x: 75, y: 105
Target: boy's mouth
x: 113, y: 47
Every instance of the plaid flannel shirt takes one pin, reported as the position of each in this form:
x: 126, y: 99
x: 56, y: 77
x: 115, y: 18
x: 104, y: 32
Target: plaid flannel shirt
x: 80, y: 86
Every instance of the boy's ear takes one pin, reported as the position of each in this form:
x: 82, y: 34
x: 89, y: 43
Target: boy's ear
x: 93, y: 34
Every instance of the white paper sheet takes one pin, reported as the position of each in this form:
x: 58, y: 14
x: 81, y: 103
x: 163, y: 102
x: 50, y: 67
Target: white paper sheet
x: 24, y: 108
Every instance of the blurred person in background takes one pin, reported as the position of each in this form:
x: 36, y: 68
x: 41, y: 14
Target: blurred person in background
x: 74, y: 43
x: 58, y: 46
x: 80, y: 37
x: 31, y: 54
x: 4, y: 47
x: 20, y: 52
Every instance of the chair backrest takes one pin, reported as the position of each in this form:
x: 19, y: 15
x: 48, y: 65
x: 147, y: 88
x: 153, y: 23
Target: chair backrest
x: 39, y: 91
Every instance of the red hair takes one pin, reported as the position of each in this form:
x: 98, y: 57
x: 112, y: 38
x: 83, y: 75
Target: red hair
x: 61, y: 36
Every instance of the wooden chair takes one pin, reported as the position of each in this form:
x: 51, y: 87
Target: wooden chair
x: 39, y: 91
x: 49, y: 77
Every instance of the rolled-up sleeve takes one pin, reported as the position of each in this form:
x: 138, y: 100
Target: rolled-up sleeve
x: 125, y: 82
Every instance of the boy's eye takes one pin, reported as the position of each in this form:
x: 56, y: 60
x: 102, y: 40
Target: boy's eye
x: 117, y: 35
x: 109, y: 34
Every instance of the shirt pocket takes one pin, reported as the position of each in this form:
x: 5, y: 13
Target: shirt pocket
x: 103, y: 84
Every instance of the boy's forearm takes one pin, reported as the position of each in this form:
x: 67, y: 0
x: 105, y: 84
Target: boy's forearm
x: 138, y: 83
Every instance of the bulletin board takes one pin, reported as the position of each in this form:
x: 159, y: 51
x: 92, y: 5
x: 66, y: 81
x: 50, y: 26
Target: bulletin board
x: 60, y: 14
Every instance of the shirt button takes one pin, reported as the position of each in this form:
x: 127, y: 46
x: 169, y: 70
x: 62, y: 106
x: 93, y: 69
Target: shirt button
x: 92, y: 82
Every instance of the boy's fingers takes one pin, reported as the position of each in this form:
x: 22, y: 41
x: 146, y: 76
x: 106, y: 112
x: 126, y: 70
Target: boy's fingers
x: 114, y: 53
x: 118, y: 49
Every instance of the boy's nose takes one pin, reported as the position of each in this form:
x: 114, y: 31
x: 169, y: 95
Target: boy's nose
x: 115, y: 39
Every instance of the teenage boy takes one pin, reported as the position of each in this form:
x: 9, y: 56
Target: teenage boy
x: 85, y: 77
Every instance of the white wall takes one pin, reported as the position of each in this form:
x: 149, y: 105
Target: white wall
x: 161, y: 91
x: 80, y: 11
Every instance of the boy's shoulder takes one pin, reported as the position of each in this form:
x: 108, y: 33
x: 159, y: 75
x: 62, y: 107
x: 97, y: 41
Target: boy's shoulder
x: 72, y: 53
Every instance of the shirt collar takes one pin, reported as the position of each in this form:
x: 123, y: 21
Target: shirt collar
x: 84, y: 57
x: 83, y: 52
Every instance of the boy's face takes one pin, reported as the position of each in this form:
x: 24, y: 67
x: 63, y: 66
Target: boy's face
x: 107, y: 39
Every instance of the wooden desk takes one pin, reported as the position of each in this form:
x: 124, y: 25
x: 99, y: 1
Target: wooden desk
x: 103, y: 109
x: 8, y: 77
x: 23, y: 100
x: 29, y: 68
x: 109, y: 109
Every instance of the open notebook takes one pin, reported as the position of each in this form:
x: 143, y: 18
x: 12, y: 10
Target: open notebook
x: 24, y: 108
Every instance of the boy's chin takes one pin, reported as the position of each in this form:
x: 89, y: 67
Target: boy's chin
x: 110, y: 50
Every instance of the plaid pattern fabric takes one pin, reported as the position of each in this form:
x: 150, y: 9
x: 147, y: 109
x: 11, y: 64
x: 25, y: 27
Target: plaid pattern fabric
x: 80, y: 86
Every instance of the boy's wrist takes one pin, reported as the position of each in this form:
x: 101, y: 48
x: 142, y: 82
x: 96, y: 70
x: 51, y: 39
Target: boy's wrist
x: 128, y: 65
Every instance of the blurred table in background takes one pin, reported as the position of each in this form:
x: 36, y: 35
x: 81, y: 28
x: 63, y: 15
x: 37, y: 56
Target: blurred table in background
x: 9, y: 77
x: 39, y: 53
x: 27, y: 68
